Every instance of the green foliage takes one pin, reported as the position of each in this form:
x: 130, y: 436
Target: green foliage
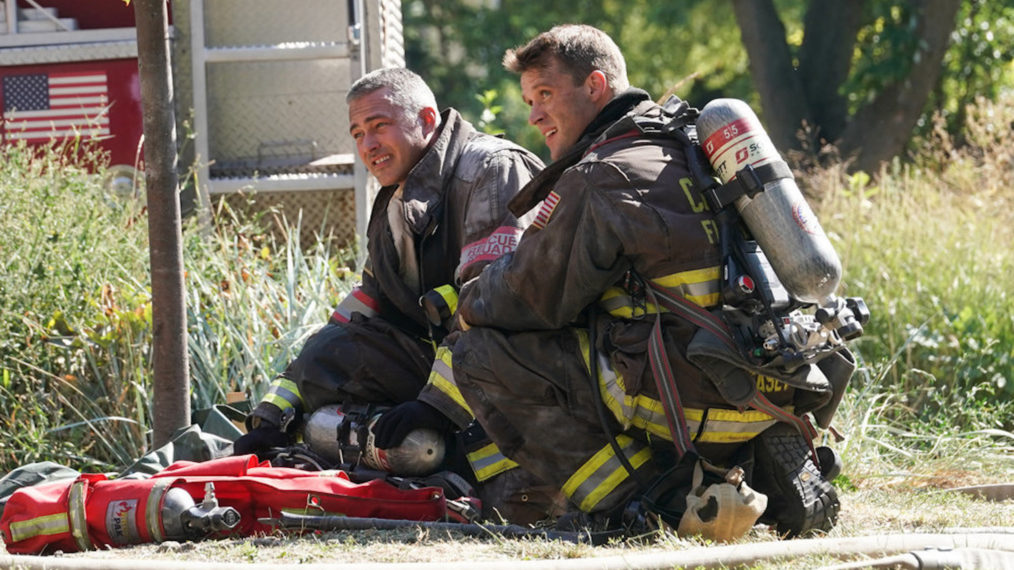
x: 928, y: 246
x: 69, y: 254
x: 980, y: 62
x: 251, y: 302
x: 76, y: 321
x: 693, y: 48
x: 458, y: 46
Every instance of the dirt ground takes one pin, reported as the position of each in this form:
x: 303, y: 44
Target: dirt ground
x: 884, y: 507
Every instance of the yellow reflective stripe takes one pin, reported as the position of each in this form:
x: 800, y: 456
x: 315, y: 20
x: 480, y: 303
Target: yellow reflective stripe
x: 450, y: 297
x: 601, y: 474
x: 283, y: 393
x: 709, y: 300
x: 442, y: 378
x: 649, y: 415
x: 79, y: 516
x: 639, y: 411
x: 488, y: 461
x: 617, y: 303
x: 729, y: 426
x: 614, y: 479
x: 702, y: 286
x: 40, y: 526
x: 692, y: 277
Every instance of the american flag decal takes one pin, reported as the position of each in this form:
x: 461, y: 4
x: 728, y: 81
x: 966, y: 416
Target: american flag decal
x: 546, y: 210
x: 42, y: 107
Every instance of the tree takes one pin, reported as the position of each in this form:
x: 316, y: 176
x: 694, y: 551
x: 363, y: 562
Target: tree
x: 865, y: 75
x: 171, y: 408
x: 803, y: 86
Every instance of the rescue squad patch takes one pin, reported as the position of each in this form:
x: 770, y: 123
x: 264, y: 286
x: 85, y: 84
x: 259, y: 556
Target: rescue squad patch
x: 501, y: 241
x: 548, y: 205
x: 121, y: 522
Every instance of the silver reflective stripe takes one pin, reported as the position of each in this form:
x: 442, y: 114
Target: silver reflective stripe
x: 442, y: 378
x: 729, y: 426
x: 639, y: 411
x: 153, y: 509
x: 600, y: 475
x: 702, y: 286
x: 78, y: 516
x: 489, y: 461
x: 356, y: 302
x: 604, y: 472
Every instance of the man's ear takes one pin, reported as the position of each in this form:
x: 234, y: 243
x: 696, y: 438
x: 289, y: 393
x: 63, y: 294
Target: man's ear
x: 598, y: 87
x: 428, y: 118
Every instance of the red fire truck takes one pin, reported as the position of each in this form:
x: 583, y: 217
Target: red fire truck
x: 68, y: 69
x: 259, y: 88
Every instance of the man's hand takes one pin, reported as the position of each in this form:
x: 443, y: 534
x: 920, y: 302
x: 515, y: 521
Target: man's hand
x: 262, y: 438
x: 396, y: 423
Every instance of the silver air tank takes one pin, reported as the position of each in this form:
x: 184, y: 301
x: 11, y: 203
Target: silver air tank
x: 341, y: 438
x: 779, y: 217
x: 420, y: 453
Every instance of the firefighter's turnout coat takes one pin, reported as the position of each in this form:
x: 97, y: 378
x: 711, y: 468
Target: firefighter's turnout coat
x: 378, y: 346
x: 622, y: 206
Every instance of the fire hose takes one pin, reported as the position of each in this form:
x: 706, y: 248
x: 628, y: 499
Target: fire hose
x: 994, y: 545
x: 292, y: 521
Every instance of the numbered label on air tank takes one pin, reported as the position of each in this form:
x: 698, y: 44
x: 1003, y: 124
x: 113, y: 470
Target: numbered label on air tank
x: 738, y: 144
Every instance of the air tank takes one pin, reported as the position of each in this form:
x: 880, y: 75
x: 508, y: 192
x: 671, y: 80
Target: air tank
x: 779, y: 218
x: 340, y: 437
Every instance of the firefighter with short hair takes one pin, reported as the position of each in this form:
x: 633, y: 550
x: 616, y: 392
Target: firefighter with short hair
x: 554, y: 359
x: 440, y: 217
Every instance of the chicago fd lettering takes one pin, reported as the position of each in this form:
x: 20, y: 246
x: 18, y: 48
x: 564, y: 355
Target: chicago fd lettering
x: 711, y: 230
x: 697, y: 203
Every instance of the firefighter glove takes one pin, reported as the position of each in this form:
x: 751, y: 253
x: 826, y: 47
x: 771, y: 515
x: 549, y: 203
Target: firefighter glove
x: 260, y: 439
x: 396, y: 423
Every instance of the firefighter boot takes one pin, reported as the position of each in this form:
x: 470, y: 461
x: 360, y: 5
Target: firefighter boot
x: 800, y: 499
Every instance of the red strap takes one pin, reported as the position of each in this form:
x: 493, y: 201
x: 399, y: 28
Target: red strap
x: 626, y: 135
x: 666, y: 383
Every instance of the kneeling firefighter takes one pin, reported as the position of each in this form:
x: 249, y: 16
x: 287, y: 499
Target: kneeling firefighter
x: 687, y: 397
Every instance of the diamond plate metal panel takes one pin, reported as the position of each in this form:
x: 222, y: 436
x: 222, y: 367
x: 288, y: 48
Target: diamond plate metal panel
x: 268, y: 22
x: 264, y: 115
x: 183, y: 83
x: 392, y: 35
x: 66, y: 53
x: 279, y: 123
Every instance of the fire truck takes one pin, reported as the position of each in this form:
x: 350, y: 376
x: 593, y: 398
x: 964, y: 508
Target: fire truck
x: 259, y: 87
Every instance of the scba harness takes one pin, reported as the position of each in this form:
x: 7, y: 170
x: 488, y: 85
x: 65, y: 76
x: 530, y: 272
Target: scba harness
x: 762, y: 328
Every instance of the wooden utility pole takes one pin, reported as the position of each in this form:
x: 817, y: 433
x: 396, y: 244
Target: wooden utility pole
x: 171, y: 406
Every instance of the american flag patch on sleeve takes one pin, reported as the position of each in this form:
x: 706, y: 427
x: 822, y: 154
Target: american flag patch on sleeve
x: 546, y: 210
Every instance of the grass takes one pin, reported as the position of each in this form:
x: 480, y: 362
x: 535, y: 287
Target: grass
x: 874, y: 512
x: 927, y: 243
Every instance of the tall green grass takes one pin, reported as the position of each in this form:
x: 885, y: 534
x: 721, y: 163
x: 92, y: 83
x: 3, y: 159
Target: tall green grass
x: 928, y: 246
x: 75, y: 310
x: 927, y: 243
